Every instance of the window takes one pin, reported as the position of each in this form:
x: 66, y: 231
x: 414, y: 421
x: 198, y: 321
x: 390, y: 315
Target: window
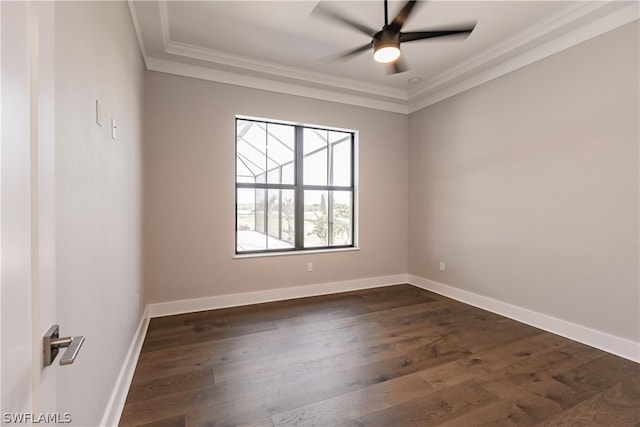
x: 294, y: 187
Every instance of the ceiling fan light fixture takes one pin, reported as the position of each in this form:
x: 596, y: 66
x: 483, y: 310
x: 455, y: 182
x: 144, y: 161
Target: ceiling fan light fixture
x: 386, y: 46
x: 386, y: 54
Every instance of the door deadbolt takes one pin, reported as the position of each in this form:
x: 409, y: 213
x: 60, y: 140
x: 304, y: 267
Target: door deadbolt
x: 52, y: 343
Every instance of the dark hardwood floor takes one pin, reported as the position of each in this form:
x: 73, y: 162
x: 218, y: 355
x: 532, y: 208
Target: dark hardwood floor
x: 393, y: 356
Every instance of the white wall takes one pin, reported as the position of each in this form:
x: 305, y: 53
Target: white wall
x: 527, y: 186
x: 189, y: 191
x: 98, y: 197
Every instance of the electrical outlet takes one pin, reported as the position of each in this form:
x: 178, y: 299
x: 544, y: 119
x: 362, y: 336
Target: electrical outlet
x: 442, y: 266
x: 309, y: 266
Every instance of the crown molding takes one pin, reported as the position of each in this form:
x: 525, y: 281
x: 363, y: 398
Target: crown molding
x: 273, y: 70
x: 138, y: 31
x: 210, y: 74
x: 165, y: 28
x: 514, y: 45
x: 588, y: 19
x: 515, y: 53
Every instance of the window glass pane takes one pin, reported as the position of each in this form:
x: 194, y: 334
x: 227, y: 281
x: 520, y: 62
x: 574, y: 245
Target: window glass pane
x: 244, y: 172
x: 315, y: 168
x: 288, y: 173
x: 288, y: 218
x: 280, y: 150
x: 342, y: 226
x: 250, y: 151
x: 273, y: 175
x: 281, y: 220
x: 315, y: 157
x: 273, y: 218
x: 260, y: 210
x: 249, y: 218
x: 316, y: 219
x: 341, y: 168
x: 314, y: 139
x: 336, y: 137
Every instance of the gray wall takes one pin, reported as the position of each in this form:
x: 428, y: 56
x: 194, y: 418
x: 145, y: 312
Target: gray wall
x: 98, y: 197
x: 527, y: 186
x: 190, y: 183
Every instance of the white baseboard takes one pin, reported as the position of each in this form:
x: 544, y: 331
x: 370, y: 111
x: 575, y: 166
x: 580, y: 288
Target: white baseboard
x: 112, y: 414
x: 246, y: 298
x: 610, y: 343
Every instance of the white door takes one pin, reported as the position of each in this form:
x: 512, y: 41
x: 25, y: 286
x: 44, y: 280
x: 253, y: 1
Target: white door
x: 27, y: 211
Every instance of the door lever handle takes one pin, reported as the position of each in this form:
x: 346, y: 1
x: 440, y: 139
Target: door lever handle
x: 52, y: 343
x: 73, y: 345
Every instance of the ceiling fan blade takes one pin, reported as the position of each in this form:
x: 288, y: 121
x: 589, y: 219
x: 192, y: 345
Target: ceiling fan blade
x: 403, y: 15
x: 399, y: 66
x: 421, y: 35
x: 322, y: 10
x: 349, y: 53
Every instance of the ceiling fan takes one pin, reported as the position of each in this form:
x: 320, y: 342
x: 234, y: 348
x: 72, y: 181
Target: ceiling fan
x: 386, y: 42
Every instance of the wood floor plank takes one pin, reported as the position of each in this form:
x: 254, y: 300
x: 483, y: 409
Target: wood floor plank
x: 291, y: 396
x: 223, y: 345
x: 616, y: 406
x: 189, y: 401
x: 322, y: 345
x: 521, y: 409
x: 177, y: 421
x: 430, y: 409
x: 495, y: 359
x: 525, y: 371
x: 368, y: 355
x: 192, y: 379
x: 265, y: 422
x: 394, y: 356
x: 377, y: 316
x: 298, y: 349
x: 565, y: 395
x: 174, y: 360
x: 205, y: 335
x: 355, y: 404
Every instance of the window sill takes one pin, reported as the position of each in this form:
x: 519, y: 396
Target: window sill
x: 294, y: 253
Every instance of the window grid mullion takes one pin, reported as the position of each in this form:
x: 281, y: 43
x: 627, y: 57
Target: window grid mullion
x: 299, y: 171
x: 329, y: 161
x: 330, y: 218
x: 265, y: 194
x: 280, y: 214
x: 329, y: 192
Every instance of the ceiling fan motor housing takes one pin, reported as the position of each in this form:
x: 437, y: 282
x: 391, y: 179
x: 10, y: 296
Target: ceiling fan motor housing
x: 386, y: 38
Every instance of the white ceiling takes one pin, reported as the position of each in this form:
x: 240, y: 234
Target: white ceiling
x: 280, y: 46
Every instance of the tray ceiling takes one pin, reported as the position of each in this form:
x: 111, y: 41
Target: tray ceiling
x: 280, y: 46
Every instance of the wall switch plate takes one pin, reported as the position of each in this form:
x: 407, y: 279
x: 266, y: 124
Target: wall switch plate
x: 98, y: 114
x: 442, y: 266
x: 309, y: 266
x: 113, y: 128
